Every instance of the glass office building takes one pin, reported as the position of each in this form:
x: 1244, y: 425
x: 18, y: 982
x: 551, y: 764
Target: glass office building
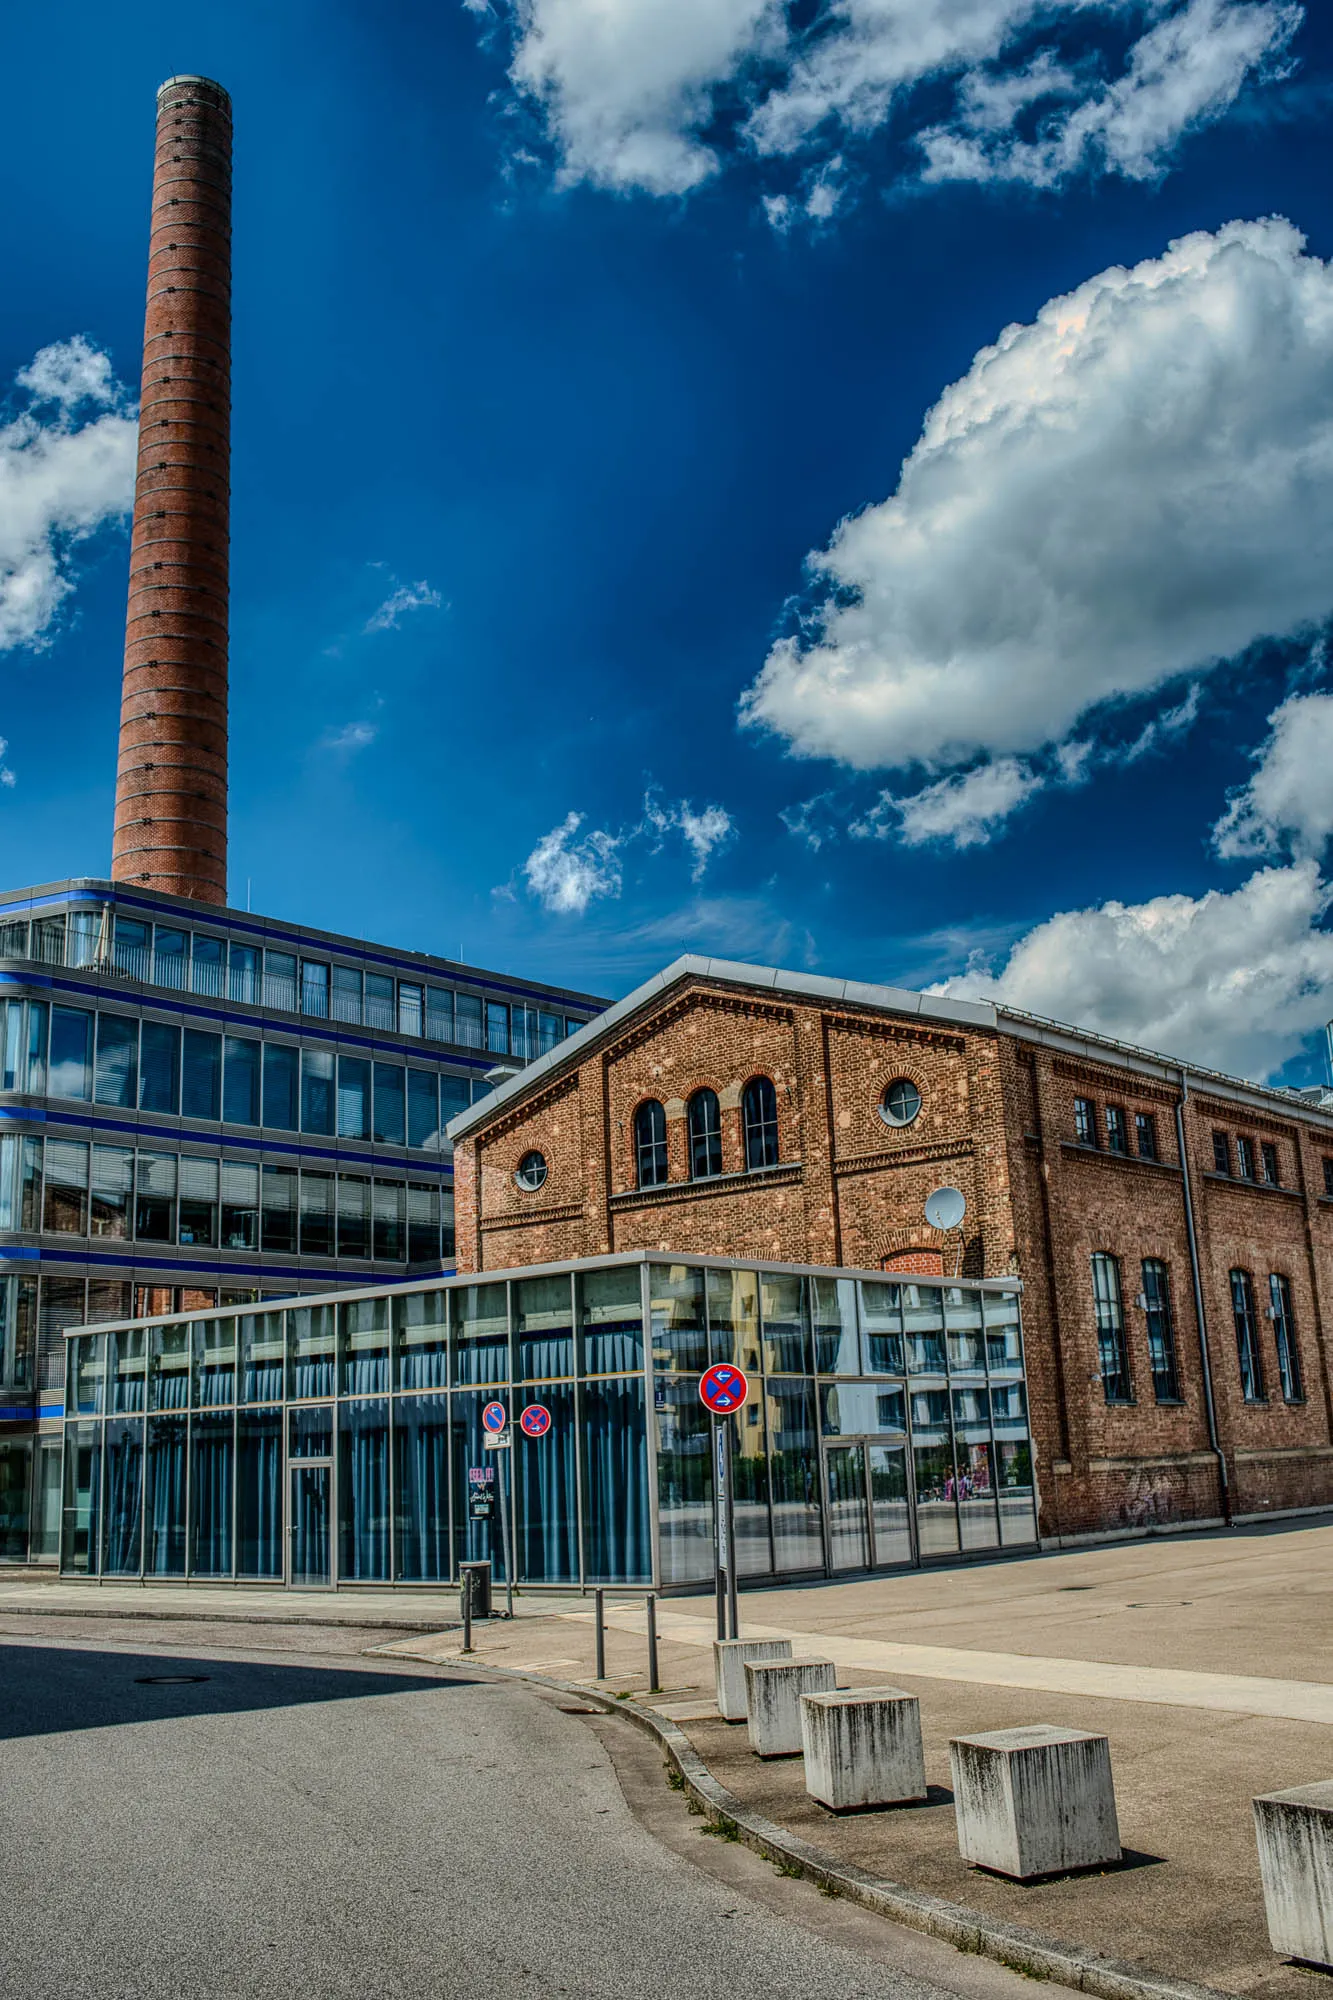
x: 338, y: 1441
x: 202, y: 1107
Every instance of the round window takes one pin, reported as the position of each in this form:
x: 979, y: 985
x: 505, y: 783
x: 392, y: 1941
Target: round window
x: 531, y: 1171
x: 901, y: 1102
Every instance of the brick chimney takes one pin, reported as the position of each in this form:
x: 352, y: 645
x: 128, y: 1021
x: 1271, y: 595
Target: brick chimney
x: 171, y: 779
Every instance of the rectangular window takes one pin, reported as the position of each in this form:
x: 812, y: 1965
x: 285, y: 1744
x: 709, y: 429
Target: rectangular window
x: 131, y: 948
x: 1145, y: 1130
x: 37, y: 1025
x: 423, y: 1224
x: 71, y: 1071
x: 1245, y: 1158
x: 353, y: 1216
x: 1117, y: 1130
x: 279, y: 1208
x: 1247, y: 1337
x: 390, y: 1219
x: 85, y: 932
x: 9, y: 1187
x: 15, y: 1063
x: 31, y: 1202
x: 523, y: 1032
x: 1112, y: 1348
x: 201, y: 1075
x: 160, y: 1068
x: 1328, y: 1175
x: 455, y: 1096
x: 380, y: 1008
x: 390, y: 1110
x: 316, y: 1215
x: 198, y: 1201
x: 346, y: 1001
x: 207, y: 960
x: 240, y: 1206
x: 14, y: 938
x: 439, y: 1014
x: 48, y: 940
x: 155, y: 1198
x: 423, y: 1109
x: 317, y: 1105
x: 171, y: 958
x: 1161, y: 1331
x: 280, y: 980
x: 549, y: 1031
x: 314, y: 988
x: 447, y: 1222
x: 117, y: 1076
x: 112, y: 1191
x: 1284, y: 1336
x: 411, y: 1009
x: 243, y: 974
x: 1221, y: 1153
x: 497, y: 1027
x: 353, y: 1098
x: 1085, y: 1121
x: 240, y: 1081
x: 1272, y: 1170
x: 66, y: 1205
x: 467, y: 1020
x: 280, y: 1073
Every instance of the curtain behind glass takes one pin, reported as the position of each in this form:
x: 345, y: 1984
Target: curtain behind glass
x: 123, y: 1517
x: 212, y: 1466
x: 363, y: 1491
x: 546, y: 1497
x: 259, y: 1493
x: 165, y: 1551
x: 616, y: 1454
x: 421, y: 1447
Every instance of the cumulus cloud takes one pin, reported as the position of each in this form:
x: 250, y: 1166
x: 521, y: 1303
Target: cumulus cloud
x: 655, y: 96
x: 404, y: 597
x: 351, y: 737
x: 963, y: 811
x: 1234, y: 980
x: 66, y: 468
x: 1289, y: 800
x: 569, y: 869
x: 1135, y: 487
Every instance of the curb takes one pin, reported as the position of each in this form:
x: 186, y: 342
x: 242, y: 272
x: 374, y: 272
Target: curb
x: 123, y: 1611
x: 1012, y: 1945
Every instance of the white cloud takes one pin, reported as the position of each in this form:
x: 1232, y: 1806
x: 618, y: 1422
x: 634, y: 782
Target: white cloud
x: 1237, y: 981
x: 1290, y: 797
x: 655, y: 96
x: 403, y: 598
x: 1136, y: 486
x: 964, y: 811
x: 567, y: 870
x: 351, y: 737
x: 60, y: 480
x: 566, y: 873
x: 7, y: 778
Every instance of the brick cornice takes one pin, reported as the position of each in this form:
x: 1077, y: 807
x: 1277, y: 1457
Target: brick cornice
x: 1246, y: 1118
x: 487, y: 1135
x: 906, y: 1156
x: 1110, y: 1159
x: 893, y: 1031
x: 528, y: 1216
x: 1115, y: 1083
x: 644, y: 1029
x: 789, y: 1173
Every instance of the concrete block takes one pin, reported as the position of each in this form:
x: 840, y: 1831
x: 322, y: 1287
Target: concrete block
x: 1034, y: 1801
x: 1295, y: 1834
x: 729, y: 1657
x: 862, y: 1747
x: 773, y: 1690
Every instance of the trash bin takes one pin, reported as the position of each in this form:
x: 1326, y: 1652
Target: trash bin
x: 475, y: 1578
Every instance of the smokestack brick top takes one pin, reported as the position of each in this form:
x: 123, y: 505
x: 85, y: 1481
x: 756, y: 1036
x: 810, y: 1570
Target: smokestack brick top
x: 171, y: 783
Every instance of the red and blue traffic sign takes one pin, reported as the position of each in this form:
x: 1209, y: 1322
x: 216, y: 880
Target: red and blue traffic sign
x: 494, y: 1418
x: 723, y: 1388
x: 535, y: 1420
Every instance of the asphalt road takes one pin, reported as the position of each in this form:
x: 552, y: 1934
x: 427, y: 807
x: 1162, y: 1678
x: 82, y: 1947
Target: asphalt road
x: 295, y: 1825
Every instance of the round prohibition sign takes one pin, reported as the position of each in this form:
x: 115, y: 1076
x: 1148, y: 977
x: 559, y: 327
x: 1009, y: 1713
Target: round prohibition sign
x: 494, y: 1418
x: 723, y: 1388
x: 535, y: 1420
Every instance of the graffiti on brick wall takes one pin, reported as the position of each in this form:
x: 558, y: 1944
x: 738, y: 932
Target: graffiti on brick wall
x: 1153, y: 1495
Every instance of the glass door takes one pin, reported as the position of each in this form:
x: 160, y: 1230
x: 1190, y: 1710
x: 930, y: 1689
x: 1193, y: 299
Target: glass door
x: 887, y: 1465
x: 845, y: 1486
x: 312, y: 1525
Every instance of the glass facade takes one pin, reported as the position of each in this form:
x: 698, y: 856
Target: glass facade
x: 338, y: 1440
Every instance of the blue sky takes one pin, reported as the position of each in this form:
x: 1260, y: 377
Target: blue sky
x: 557, y: 356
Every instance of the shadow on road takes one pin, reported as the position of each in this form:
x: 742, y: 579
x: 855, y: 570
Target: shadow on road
x: 49, y: 1689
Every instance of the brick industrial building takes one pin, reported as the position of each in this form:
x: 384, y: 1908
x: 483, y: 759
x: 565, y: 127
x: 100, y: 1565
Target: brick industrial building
x: 1172, y: 1228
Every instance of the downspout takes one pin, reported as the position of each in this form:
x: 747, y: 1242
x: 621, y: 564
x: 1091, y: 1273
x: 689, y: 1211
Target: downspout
x: 1224, y: 1481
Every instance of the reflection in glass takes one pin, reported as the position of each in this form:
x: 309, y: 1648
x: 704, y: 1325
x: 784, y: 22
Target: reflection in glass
x: 363, y: 1349
x: 882, y: 1325
x: 1017, y: 1514
x: 310, y: 1432
x: 123, y: 1515
x: 611, y: 1316
x: 679, y: 1329
x: 546, y: 1524
x: 962, y: 1316
x: 312, y: 1525
x: 83, y: 1452
x: 863, y: 1409
x: 793, y: 1469
x: 164, y: 1551
x: 544, y: 1326
x: 887, y: 1467
x: 212, y: 1467
x: 214, y: 1362
x: 936, y: 1510
x: 786, y: 1335
x: 616, y: 1460
x: 976, y: 1491
x: 259, y: 1493
x: 363, y: 1491
x: 310, y: 1339
x: 733, y: 1318
x: 922, y: 1328
x: 421, y: 1468
x: 168, y: 1367
x: 848, y: 1546
x: 421, y: 1341
x: 1004, y: 1346
x: 832, y: 1308
x: 87, y: 1375
x: 481, y: 1334
x: 261, y: 1357
x: 684, y: 1480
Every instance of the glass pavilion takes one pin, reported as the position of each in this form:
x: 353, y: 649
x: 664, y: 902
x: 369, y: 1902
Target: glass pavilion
x: 337, y: 1440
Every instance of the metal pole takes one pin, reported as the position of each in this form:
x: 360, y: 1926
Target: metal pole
x: 506, y: 1494
x: 733, y: 1614
x: 720, y: 1523
x: 654, y: 1678
x: 599, y: 1606
x: 466, y: 1594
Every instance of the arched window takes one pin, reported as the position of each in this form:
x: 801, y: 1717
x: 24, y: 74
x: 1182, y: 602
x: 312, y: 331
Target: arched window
x: 650, y: 1143
x: 705, y: 1135
x: 760, y: 1108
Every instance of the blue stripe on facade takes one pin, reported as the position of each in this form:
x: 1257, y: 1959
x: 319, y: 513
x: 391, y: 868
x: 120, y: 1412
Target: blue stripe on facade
x: 132, y: 1267
x: 412, y: 1163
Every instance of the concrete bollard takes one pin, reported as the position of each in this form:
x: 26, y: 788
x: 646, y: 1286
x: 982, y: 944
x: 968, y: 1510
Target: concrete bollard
x: 1295, y: 1834
x: 862, y: 1748
x: 773, y: 1690
x: 729, y: 1657
x: 1034, y: 1801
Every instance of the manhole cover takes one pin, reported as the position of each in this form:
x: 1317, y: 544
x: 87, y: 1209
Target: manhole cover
x: 169, y: 1680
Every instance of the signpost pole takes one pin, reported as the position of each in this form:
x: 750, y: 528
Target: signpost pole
x: 505, y: 1482
x: 721, y: 1466
x: 733, y: 1613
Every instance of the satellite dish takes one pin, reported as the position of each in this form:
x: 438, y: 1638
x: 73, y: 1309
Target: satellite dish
x: 945, y: 1208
